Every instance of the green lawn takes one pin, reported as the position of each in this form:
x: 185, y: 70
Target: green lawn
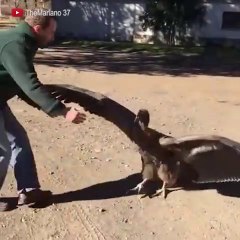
x: 131, y: 47
x: 219, y: 52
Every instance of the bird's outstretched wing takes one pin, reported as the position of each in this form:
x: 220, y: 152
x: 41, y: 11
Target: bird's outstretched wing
x: 95, y: 103
x: 215, y: 158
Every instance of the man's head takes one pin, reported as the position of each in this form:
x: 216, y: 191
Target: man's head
x: 44, y: 27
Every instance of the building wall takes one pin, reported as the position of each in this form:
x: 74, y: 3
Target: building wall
x: 99, y: 20
x: 213, y: 18
x: 118, y: 20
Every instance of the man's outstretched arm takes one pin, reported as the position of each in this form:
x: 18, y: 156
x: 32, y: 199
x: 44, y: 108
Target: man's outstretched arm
x: 15, y: 61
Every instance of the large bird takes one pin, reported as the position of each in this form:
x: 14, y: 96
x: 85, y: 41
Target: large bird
x: 158, y: 163
x: 190, y: 159
x: 198, y: 159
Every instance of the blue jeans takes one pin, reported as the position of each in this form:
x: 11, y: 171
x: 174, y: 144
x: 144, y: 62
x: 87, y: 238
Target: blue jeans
x: 15, y: 150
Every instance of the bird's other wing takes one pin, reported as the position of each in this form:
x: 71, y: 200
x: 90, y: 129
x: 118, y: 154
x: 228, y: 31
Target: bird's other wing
x: 193, y: 144
x: 215, y: 158
x: 221, y: 165
x: 95, y: 103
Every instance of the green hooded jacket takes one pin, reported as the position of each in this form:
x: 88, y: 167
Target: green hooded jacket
x: 18, y: 47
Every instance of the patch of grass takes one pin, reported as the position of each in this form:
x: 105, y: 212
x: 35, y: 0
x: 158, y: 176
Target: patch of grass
x: 228, y: 52
x: 223, y: 54
x: 132, y: 47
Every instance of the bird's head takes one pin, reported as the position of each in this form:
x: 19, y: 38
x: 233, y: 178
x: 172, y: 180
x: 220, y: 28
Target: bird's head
x: 143, y: 118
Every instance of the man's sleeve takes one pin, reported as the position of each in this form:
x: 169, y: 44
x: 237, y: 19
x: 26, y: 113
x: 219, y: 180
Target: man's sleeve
x: 21, y: 69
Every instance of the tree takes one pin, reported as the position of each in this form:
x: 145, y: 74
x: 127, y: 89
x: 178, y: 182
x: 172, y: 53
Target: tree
x: 172, y: 17
x: 16, y: 3
x: 26, y: 4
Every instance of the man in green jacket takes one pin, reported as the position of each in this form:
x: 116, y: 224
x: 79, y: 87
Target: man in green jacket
x: 17, y: 49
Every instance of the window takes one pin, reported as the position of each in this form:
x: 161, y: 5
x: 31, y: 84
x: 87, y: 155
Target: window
x: 231, y: 20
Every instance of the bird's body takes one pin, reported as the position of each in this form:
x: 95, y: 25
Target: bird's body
x: 157, y: 163
x: 192, y: 159
x: 164, y: 166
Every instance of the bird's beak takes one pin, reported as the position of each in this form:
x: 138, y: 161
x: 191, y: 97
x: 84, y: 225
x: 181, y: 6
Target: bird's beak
x: 136, y: 119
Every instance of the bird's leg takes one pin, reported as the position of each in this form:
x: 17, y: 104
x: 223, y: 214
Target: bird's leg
x: 139, y: 187
x: 163, y: 190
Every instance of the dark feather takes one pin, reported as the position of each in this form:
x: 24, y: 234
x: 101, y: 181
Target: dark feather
x: 214, y: 158
x: 97, y: 104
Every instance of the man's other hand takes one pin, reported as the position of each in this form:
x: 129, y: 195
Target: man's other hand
x: 74, y: 116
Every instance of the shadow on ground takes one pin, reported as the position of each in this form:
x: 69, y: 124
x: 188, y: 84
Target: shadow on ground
x: 225, y: 189
x: 105, y: 190
x: 118, y: 188
x: 175, y: 61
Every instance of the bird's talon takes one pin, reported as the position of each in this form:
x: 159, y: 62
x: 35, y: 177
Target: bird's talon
x: 139, y: 187
x: 164, y: 190
x: 157, y: 193
x: 140, y: 197
x: 164, y: 194
x: 143, y: 196
x: 161, y: 191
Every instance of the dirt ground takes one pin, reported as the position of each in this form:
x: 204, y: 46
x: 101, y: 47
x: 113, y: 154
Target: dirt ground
x: 89, y: 167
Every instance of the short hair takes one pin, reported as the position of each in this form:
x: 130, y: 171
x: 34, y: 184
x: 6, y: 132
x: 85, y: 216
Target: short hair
x: 38, y: 19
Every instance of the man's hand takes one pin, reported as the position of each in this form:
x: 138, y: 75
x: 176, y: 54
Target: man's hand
x: 74, y: 116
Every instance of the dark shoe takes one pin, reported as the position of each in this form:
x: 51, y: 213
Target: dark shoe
x: 4, y: 206
x: 36, y: 196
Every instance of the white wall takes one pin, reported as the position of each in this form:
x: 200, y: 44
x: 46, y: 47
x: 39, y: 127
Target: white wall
x: 99, y: 20
x: 214, y: 21
x: 118, y: 20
